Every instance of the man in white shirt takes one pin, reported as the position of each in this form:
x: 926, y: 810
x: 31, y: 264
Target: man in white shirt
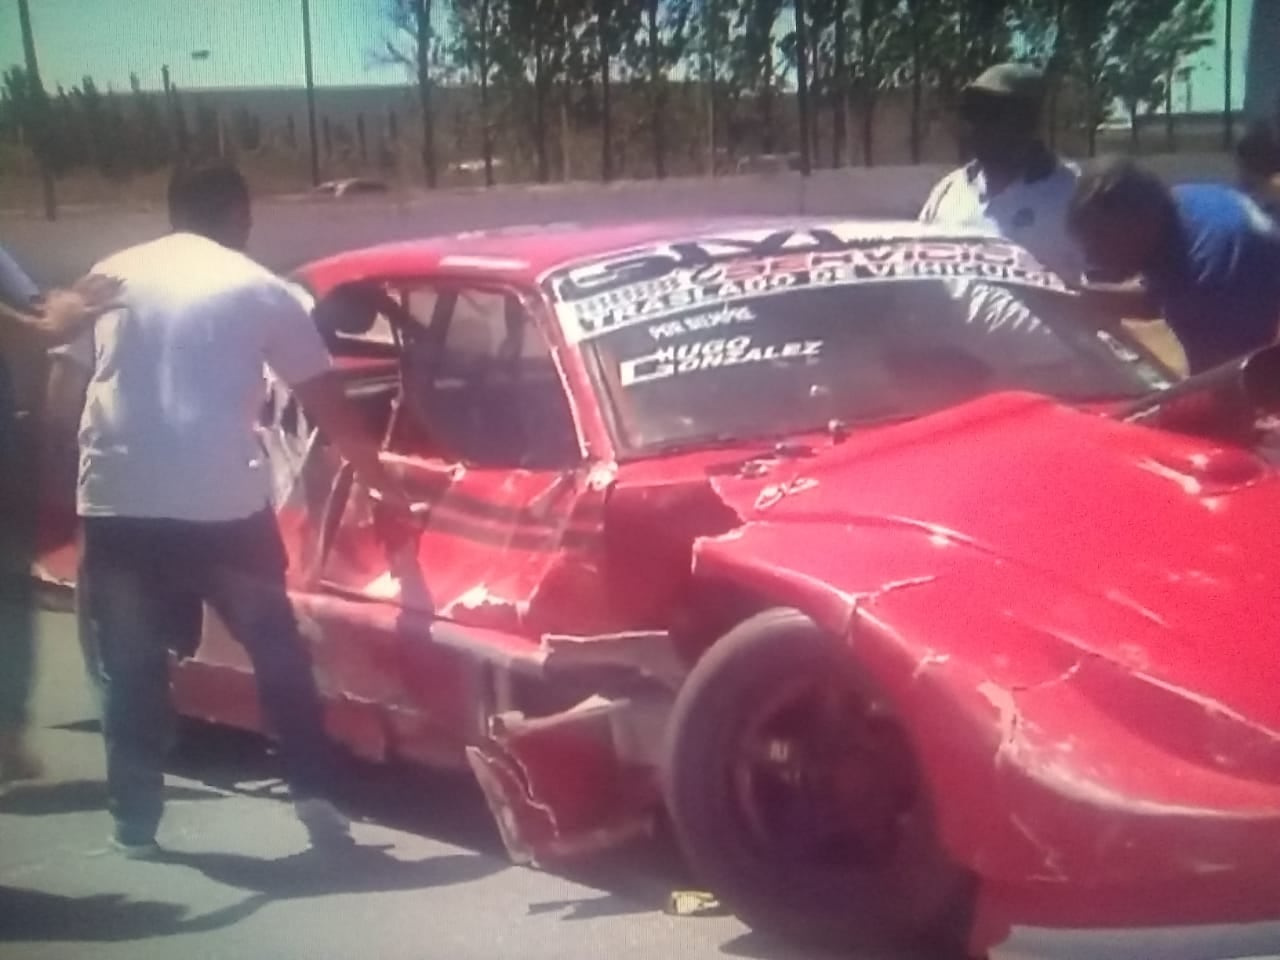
x: 173, y: 488
x: 1015, y: 187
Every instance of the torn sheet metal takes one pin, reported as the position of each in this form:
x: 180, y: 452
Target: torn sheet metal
x: 518, y: 551
x: 1086, y: 729
x: 559, y: 786
x: 648, y: 653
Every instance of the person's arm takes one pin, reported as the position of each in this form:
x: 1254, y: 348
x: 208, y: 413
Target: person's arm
x: 325, y: 402
x: 67, y: 314
x: 16, y: 288
x: 1123, y: 301
x: 18, y: 296
x: 62, y: 315
x: 297, y: 354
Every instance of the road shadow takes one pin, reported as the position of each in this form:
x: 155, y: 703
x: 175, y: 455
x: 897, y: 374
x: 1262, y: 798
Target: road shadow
x: 334, y: 870
x: 35, y: 916
x: 37, y: 798
x: 589, y: 908
x: 222, y: 757
x: 87, y: 725
x: 445, y: 806
x: 635, y: 879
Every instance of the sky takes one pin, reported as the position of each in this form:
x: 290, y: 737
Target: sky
x: 259, y: 43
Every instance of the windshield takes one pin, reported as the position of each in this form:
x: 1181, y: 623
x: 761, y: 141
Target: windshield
x: 782, y: 345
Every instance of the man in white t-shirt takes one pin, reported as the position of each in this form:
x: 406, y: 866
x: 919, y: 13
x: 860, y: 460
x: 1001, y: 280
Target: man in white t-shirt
x: 173, y: 488
x: 1015, y: 187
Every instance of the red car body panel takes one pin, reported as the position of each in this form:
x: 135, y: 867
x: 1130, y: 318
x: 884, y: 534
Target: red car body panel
x: 1076, y: 616
x: 1106, y: 757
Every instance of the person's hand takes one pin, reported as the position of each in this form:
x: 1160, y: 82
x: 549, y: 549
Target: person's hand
x: 98, y: 291
x: 67, y: 313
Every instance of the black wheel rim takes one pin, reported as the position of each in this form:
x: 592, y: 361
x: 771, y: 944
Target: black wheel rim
x: 821, y: 778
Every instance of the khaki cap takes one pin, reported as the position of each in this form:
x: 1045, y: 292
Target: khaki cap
x: 1015, y: 81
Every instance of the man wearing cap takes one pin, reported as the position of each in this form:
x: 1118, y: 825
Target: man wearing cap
x: 1014, y: 186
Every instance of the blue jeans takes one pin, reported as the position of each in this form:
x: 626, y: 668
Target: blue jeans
x: 139, y: 595
x: 18, y: 507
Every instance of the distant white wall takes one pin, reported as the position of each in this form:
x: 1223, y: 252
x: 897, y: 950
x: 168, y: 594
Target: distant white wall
x: 288, y: 232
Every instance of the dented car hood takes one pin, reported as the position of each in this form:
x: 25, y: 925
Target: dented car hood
x: 1180, y: 534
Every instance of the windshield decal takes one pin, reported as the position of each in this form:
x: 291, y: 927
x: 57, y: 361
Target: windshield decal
x: 644, y: 286
x: 711, y: 354
x: 699, y: 322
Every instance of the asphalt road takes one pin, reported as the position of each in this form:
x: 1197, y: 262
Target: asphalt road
x: 428, y: 880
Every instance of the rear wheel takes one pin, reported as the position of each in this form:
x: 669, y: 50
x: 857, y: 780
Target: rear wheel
x: 795, y: 797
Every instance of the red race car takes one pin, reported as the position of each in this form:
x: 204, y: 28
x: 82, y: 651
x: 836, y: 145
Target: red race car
x: 922, y: 602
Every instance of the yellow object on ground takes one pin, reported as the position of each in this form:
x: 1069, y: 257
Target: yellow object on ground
x: 694, y: 903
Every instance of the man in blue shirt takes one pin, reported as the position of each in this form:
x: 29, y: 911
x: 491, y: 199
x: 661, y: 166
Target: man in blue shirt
x: 29, y: 322
x: 1208, y: 255
x: 1258, y: 164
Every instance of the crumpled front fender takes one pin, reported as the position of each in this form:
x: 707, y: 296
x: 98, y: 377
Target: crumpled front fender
x: 1049, y: 763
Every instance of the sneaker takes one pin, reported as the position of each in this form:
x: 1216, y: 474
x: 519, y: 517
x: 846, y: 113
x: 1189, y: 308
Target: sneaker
x: 141, y: 850
x: 325, y: 823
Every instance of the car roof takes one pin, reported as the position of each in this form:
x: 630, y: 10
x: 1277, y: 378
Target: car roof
x: 525, y: 254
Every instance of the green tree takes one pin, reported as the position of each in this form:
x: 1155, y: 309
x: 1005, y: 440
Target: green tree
x: 1088, y: 38
x: 920, y: 17
x: 69, y: 145
x: 98, y: 127
x: 713, y: 39
x: 1039, y: 25
x: 540, y: 50
x: 45, y: 123
x: 613, y: 24
x: 797, y: 50
x: 1120, y: 50
x: 477, y: 27
x: 831, y: 23
x: 416, y: 45
x: 972, y: 35
x: 949, y: 42
x: 661, y: 43
x: 36, y: 113
x: 152, y: 148
x: 880, y: 52
x: 1153, y: 39
x: 755, y: 65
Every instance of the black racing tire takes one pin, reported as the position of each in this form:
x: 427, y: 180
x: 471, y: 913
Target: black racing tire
x: 912, y: 896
